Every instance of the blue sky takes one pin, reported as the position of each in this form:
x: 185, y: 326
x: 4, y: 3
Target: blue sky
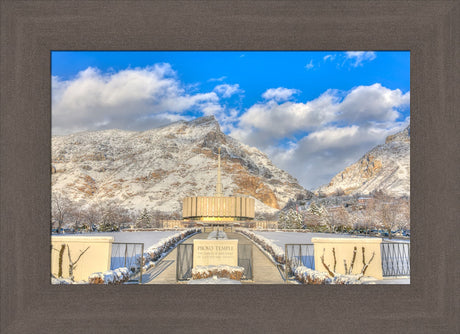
x: 312, y: 113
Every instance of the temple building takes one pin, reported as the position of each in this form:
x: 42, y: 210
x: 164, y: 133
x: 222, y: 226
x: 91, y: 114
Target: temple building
x: 218, y: 208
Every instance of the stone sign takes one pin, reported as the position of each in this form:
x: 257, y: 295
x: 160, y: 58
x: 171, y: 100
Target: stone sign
x: 215, y: 252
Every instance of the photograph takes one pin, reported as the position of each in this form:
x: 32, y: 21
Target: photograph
x: 230, y: 167
x: 186, y: 166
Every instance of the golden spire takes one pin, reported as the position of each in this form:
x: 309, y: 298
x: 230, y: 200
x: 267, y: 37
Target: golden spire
x: 219, y: 184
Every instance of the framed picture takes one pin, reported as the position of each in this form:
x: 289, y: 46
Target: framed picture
x: 34, y: 33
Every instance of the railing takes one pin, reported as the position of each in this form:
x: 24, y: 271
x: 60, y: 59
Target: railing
x: 298, y: 255
x: 128, y: 255
x: 395, y: 259
x: 245, y: 260
x: 184, y: 263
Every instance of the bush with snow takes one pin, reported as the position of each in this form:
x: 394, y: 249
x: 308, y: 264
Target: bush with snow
x: 157, y: 251
x: 113, y: 277
x: 151, y: 255
x: 308, y: 276
x: 62, y: 281
x: 214, y: 280
x: 220, y: 271
x: 275, y: 251
x: 301, y: 273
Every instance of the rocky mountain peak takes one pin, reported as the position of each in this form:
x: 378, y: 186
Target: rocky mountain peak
x: 204, y: 121
x: 402, y: 136
x: 386, y: 167
x: 156, y: 169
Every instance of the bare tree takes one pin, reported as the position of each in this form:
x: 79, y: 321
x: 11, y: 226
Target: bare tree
x: 348, y: 269
x: 76, y: 215
x: 61, y: 208
x: 339, y: 219
x: 386, y: 212
x: 73, y: 264
x: 363, y: 221
x: 92, y: 216
x: 155, y: 216
x: 403, y: 216
x: 61, y: 254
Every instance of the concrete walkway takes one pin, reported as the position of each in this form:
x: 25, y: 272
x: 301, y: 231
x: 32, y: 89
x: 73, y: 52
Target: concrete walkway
x: 264, y: 271
x: 165, y: 271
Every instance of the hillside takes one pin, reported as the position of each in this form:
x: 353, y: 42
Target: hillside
x: 156, y: 169
x: 385, y: 167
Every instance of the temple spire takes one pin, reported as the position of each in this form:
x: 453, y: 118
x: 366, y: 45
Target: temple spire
x: 219, y: 184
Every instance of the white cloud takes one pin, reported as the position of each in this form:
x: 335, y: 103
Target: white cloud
x: 329, y: 57
x: 310, y: 65
x: 335, y: 129
x: 211, y: 108
x: 227, y: 119
x: 360, y: 56
x: 218, y: 79
x: 372, y: 103
x: 265, y: 123
x: 331, y: 131
x: 226, y: 90
x: 134, y: 99
x: 279, y: 94
x: 363, y: 104
x: 317, y: 157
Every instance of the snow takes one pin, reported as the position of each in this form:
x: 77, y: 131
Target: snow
x: 148, y: 238
x: 309, y: 276
x: 156, y: 245
x: 281, y: 238
x: 274, y: 244
x: 392, y: 280
x: 214, y: 280
x: 62, y: 281
x: 116, y: 276
x: 393, y: 177
x: 217, y: 235
x: 220, y: 271
x: 156, y: 252
x: 147, y: 169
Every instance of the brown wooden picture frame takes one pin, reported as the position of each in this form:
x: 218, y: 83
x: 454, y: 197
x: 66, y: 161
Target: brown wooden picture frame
x: 31, y: 30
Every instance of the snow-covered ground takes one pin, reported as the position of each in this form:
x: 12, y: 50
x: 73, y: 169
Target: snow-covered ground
x: 148, y: 238
x: 214, y: 280
x: 280, y: 238
x: 389, y: 280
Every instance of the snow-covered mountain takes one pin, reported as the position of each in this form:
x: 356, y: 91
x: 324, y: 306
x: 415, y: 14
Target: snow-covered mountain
x: 385, y: 167
x: 156, y: 169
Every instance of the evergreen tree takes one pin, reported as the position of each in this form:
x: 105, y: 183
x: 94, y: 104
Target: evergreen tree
x: 316, y: 209
x: 290, y: 219
x: 144, y: 219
